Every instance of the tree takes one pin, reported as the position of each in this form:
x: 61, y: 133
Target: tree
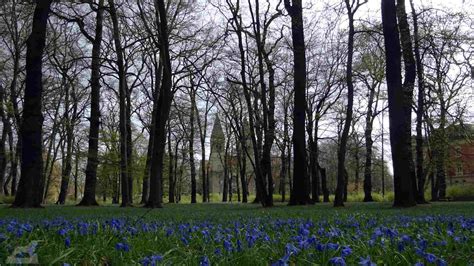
x: 164, y: 104
x: 352, y: 8
x: 399, y: 105
x: 32, y: 119
x: 300, y: 193
x: 124, y: 132
x: 93, y: 149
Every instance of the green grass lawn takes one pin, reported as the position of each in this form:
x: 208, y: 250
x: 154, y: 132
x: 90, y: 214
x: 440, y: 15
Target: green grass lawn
x: 222, y: 212
x: 243, y: 234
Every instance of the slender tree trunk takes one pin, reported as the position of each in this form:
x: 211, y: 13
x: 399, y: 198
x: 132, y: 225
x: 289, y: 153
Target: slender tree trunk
x: 420, y: 173
x: 300, y: 192
x: 164, y: 105
x: 76, y: 173
x: 124, y: 163
x: 171, y: 171
x: 400, y: 125
x: 341, y: 153
x: 32, y: 121
x: 69, y: 127
x: 93, y: 150
x: 324, y: 184
x: 408, y: 84
x: 368, y: 148
x: 243, y: 169
x: 191, y: 147
x: 5, y: 132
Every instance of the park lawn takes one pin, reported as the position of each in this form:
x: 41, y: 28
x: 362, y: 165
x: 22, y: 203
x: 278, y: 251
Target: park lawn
x: 243, y: 234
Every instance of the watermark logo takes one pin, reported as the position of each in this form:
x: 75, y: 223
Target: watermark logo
x: 24, y: 255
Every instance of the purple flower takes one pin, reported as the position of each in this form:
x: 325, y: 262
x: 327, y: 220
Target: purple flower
x: 431, y: 258
x: 441, y: 262
x: 227, y: 245
x: 67, y: 242
x: 122, y: 247
x: 204, y: 261
x: 366, y: 261
x: 346, y: 251
x: 337, y: 261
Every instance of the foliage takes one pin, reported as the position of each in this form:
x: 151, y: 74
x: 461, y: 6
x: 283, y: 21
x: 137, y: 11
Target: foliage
x: 460, y: 191
x: 244, y: 234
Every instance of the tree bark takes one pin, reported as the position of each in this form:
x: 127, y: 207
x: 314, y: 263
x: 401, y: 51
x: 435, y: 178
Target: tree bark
x: 420, y: 173
x: 164, y: 105
x: 300, y: 192
x: 93, y: 150
x: 400, y: 124
x: 32, y: 121
x: 124, y: 163
x: 368, y: 148
x: 191, y: 145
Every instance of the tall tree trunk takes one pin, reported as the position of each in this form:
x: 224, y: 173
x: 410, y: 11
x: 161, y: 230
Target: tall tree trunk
x: 420, y: 173
x: 146, y: 175
x: 5, y: 131
x: 69, y: 127
x: 32, y: 121
x: 76, y: 172
x: 171, y: 171
x: 400, y: 125
x: 408, y: 84
x: 368, y: 148
x: 253, y: 116
x: 242, y: 157
x: 164, y: 105
x: 128, y: 123
x: 124, y: 163
x: 300, y: 192
x: 93, y: 150
x: 341, y: 153
x: 191, y: 145
x: 324, y: 185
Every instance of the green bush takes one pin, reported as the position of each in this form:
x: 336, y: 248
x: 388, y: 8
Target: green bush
x: 7, y: 199
x: 458, y: 191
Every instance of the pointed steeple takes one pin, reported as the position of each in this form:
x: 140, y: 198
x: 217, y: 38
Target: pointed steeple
x: 217, y: 137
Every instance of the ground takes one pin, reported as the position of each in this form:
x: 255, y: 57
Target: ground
x: 241, y: 234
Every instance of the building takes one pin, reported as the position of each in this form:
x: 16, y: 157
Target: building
x: 460, y: 165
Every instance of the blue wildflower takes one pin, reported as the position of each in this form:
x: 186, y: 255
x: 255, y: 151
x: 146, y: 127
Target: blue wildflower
x: 204, y: 261
x: 67, y: 242
x: 431, y: 258
x: 366, y: 261
x: 337, y: 261
x: 122, y: 247
x: 346, y: 251
x: 227, y: 245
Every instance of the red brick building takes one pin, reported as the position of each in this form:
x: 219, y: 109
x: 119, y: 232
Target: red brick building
x: 460, y: 166
x: 461, y: 163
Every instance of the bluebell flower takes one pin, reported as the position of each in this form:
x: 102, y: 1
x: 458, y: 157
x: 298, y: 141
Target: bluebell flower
x: 184, y: 240
x: 346, y: 251
x: 418, y: 264
x: 441, y: 262
x: 122, y: 247
x: 291, y: 249
x: 431, y: 258
x: 366, y: 261
x: 332, y: 246
x: 227, y: 245
x: 339, y: 261
x: 67, y: 242
x: 204, y: 261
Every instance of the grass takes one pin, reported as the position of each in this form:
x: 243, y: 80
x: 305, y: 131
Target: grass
x: 243, y: 234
